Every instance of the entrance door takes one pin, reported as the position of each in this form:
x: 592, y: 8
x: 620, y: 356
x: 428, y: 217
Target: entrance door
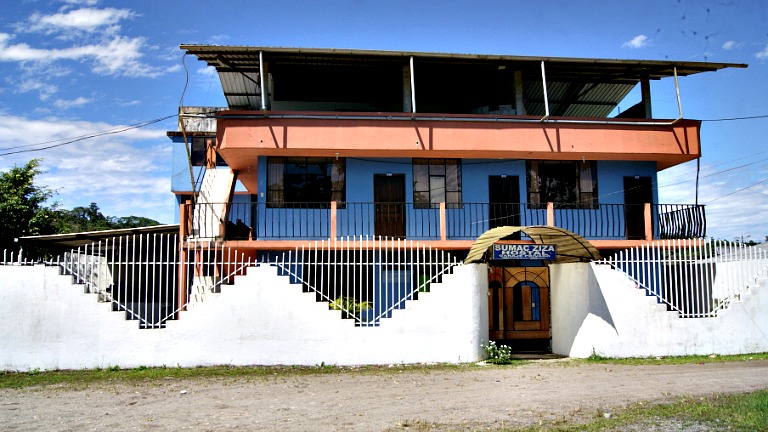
x: 389, y: 205
x: 637, y: 191
x: 503, y: 201
x: 518, y: 303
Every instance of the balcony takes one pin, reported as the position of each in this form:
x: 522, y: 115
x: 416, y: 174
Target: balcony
x: 607, y: 226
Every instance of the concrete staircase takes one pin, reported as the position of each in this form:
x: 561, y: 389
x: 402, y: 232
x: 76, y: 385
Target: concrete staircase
x: 210, y: 212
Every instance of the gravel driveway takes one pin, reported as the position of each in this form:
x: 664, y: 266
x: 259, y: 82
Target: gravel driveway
x: 396, y: 400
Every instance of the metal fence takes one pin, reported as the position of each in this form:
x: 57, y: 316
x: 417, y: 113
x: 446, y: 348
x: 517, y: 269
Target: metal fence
x: 695, y: 280
x: 151, y: 279
x: 366, y: 278
x: 144, y: 275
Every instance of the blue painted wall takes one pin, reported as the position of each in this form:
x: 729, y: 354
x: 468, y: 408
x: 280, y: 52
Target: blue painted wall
x: 467, y: 222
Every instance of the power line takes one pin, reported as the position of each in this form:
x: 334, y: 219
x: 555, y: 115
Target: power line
x: 738, y: 190
x: 83, y: 137
x: 736, y: 118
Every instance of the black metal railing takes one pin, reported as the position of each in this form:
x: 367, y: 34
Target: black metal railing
x: 423, y: 221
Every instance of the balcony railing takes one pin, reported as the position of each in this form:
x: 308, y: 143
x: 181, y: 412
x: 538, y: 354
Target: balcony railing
x: 424, y: 221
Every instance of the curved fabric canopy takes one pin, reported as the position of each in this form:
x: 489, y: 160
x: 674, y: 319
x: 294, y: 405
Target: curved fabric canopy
x: 570, y: 247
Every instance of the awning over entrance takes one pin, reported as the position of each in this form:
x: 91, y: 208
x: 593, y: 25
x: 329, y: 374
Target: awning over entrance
x: 570, y: 247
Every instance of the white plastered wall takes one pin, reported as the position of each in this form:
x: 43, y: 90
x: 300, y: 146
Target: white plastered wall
x: 260, y: 320
x: 596, y: 309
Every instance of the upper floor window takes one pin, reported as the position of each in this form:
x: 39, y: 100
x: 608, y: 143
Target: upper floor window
x: 436, y: 181
x: 292, y: 182
x: 567, y: 184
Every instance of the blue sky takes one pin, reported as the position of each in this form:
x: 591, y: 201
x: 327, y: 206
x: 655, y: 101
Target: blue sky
x: 76, y: 68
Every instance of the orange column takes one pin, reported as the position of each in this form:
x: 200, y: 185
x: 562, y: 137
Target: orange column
x: 550, y: 214
x: 648, y: 222
x: 333, y: 220
x: 184, y: 209
x: 443, y: 228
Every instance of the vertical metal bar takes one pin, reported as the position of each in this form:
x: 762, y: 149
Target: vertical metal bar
x: 264, y: 84
x: 413, y: 88
x: 677, y: 93
x: 154, y: 256
x: 544, y: 88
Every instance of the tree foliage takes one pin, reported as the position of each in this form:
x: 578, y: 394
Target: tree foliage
x: 22, y: 205
x: 90, y: 218
x: 23, y: 210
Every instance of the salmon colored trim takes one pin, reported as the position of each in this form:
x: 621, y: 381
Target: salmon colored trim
x: 242, y: 140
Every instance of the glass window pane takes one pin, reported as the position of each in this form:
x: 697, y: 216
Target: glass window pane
x: 452, y: 178
x: 420, y: 179
x: 437, y: 189
x: 437, y: 167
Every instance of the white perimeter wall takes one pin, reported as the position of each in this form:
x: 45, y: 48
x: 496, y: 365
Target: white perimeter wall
x: 48, y: 323
x: 598, y: 309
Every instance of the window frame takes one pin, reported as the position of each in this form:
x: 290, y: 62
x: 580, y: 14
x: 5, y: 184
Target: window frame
x: 437, y: 180
x: 584, y: 181
x: 278, y: 168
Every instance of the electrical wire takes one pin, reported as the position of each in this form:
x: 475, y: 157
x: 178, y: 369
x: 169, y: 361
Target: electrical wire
x: 85, y: 137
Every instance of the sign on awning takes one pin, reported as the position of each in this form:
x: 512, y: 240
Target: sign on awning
x: 524, y: 252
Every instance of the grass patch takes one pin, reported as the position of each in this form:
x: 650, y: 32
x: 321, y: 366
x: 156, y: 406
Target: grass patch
x: 596, y: 358
x: 743, y: 412
x: 85, y: 378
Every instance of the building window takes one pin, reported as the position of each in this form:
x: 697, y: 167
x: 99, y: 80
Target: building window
x: 567, y: 184
x: 314, y: 182
x: 436, y: 181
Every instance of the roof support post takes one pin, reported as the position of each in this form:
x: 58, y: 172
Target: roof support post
x: 407, y: 107
x: 645, y: 89
x: 264, y: 84
x: 546, y: 97
x: 413, y: 90
x: 519, y: 107
x: 677, y: 92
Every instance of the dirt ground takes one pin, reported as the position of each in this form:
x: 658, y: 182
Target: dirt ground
x: 430, y: 399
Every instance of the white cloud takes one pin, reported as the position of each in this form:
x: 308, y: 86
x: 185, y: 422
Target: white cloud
x: 762, y: 54
x: 73, y: 103
x: 118, y: 56
x: 73, y: 22
x: 731, y: 45
x: 207, y: 71
x: 732, y: 207
x: 81, y: 2
x: 125, y: 173
x: 639, y: 41
x: 44, y: 90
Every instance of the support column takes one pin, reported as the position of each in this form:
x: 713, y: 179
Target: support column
x: 519, y: 105
x: 407, y: 89
x: 645, y: 89
x: 333, y: 220
x: 648, y: 221
x: 550, y: 214
x: 443, y: 228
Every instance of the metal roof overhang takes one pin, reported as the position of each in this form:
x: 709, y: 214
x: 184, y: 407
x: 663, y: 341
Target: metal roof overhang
x: 76, y: 240
x: 570, y: 247
x: 246, y: 58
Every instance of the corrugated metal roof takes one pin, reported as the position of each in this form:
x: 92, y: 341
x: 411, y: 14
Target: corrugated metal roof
x: 578, y: 87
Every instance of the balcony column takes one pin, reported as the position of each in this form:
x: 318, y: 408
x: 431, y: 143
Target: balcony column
x: 443, y: 228
x: 550, y: 214
x: 648, y: 221
x: 333, y: 220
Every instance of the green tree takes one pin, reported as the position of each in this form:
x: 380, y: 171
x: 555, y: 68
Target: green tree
x: 22, y: 205
x: 90, y: 218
